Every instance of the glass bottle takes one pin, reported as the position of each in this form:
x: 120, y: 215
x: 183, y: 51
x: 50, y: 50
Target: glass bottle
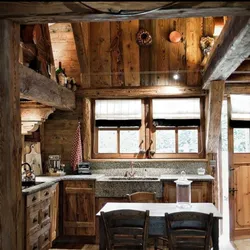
x: 60, y: 75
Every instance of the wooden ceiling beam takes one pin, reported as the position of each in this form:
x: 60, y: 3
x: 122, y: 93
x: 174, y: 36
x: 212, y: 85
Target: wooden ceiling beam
x: 243, y: 68
x: 36, y: 87
x: 239, y: 78
x: 142, y: 92
x: 229, y: 51
x: 46, y: 12
x: 237, y: 89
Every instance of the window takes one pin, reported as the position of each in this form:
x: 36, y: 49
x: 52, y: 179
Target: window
x: 117, y: 126
x: 241, y: 140
x: 169, y: 128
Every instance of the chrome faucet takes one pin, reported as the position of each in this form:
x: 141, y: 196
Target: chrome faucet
x: 131, y: 172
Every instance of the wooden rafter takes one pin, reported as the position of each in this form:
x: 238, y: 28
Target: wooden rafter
x: 230, y: 50
x: 36, y: 87
x: 44, y: 12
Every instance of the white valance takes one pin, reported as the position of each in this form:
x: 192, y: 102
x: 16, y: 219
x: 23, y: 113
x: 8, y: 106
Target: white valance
x: 176, y: 108
x: 240, y: 107
x: 118, y: 109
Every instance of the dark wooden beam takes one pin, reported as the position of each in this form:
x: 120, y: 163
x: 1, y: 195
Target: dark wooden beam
x: 229, y: 51
x: 39, y: 88
x: 142, y: 92
x: 81, y: 35
x: 216, y: 95
x: 243, y: 68
x: 238, y: 78
x: 11, y: 213
x: 44, y: 12
x: 237, y: 89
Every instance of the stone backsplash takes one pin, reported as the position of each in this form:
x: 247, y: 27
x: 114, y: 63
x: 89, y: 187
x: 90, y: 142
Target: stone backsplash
x: 153, y: 168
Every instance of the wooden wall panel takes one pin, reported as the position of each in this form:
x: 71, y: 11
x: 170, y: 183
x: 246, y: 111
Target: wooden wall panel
x: 117, y: 65
x: 64, y: 49
x: 130, y: 53
x: 177, y: 53
x: 193, y: 52
x: 100, y: 59
x: 146, y: 57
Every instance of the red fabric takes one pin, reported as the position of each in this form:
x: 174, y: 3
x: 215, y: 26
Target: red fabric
x: 76, y: 154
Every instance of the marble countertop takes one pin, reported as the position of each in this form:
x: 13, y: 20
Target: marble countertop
x: 109, y: 182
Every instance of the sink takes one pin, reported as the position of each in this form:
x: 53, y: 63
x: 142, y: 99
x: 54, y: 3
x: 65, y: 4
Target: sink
x: 30, y: 183
x: 133, y: 178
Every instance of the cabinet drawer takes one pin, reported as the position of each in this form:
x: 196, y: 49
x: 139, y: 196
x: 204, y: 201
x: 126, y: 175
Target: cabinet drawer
x: 33, y: 242
x: 45, y: 194
x: 44, y: 239
x: 44, y: 216
x: 33, y: 199
x: 32, y: 223
x: 79, y: 184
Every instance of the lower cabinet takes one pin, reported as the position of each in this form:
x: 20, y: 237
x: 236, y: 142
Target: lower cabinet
x: 40, y: 211
x: 79, y: 208
x: 201, y: 191
x: 54, y: 211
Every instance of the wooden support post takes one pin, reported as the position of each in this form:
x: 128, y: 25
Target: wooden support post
x: 11, y: 226
x: 216, y: 94
x: 86, y: 129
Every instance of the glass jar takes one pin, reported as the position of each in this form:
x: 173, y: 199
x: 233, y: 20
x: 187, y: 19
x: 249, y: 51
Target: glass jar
x: 183, y: 191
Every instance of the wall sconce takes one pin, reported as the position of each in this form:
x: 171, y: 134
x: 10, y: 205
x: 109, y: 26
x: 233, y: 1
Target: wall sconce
x: 218, y: 25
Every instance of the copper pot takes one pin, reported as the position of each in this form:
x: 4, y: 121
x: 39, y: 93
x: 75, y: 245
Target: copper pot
x: 175, y: 37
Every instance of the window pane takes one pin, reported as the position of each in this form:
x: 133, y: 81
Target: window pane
x: 165, y: 141
x: 107, y: 141
x: 188, y: 141
x: 241, y: 140
x: 129, y: 141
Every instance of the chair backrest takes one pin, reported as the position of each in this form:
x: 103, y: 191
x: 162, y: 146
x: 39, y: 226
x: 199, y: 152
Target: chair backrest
x: 189, y: 230
x: 142, y: 197
x: 126, y: 229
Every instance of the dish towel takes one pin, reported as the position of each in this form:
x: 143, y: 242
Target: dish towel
x: 76, y: 155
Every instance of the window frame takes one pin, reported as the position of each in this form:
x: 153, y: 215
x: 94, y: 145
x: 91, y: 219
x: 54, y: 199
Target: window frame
x: 147, y: 136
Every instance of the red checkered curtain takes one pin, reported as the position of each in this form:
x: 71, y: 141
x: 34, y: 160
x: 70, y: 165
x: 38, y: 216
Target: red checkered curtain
x: 76, y: 154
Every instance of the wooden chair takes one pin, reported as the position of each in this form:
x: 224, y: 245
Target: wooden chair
x: 147, y: 197
x: 142, y: 197
x: 126, y: 229
x: 189, y: 230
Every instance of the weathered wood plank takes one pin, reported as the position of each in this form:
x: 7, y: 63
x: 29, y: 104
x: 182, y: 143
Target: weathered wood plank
x: 216, y: 95
x: 146, y: 54
x: 58, y: 12
x: 81, y: 35
x: 36, y: 87
x: 229, y: 50
x: 244, y: 67
x: 86, y: 129
x: 142, y: 92
x: 100, y: 59
x: 130, y: 53
x: 238, y: 78
x: 11, y: 212
x: 193, y: 51
x: 117, y: 66
x: 162, y: 51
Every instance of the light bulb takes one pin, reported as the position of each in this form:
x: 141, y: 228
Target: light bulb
x: 176, y: 76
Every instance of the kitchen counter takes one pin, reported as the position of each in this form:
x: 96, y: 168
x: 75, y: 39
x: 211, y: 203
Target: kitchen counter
x: 114, y: 186
x: 48, y: 181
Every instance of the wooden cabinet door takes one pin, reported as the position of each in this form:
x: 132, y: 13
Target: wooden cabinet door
x: 54, y: 211
x: 79, y: 208
x: 201, y: 191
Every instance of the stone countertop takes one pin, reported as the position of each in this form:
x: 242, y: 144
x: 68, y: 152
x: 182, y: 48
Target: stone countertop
x: 170, y: 177
x: 48, y: 181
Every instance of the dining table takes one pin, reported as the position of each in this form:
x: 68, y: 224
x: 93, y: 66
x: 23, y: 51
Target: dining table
x: 157, y: 217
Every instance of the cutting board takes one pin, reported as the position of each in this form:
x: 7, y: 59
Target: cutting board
x: 35, y: 160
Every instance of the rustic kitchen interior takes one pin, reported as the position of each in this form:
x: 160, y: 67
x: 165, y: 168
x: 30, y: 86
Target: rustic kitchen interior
x: 104, y: 99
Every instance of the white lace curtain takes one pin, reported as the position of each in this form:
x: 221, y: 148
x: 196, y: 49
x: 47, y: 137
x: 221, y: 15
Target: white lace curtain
x: 176, y: 108
x: 118, y: 109
x: 240, y: 107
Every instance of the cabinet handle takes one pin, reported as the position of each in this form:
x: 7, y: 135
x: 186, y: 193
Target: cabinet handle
x: 34, y: 198
x: 46, y: 214
x: 47, y: 193
x: 34, y: 248
x: 46, y: 238
x: 34, y: 220
x: 90, y: 185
